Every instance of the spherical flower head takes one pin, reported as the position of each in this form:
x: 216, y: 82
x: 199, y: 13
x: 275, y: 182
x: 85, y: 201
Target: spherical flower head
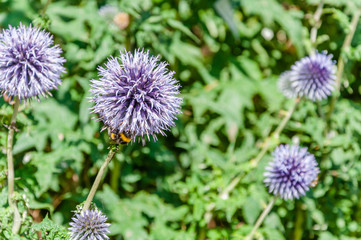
x: 29, y: 65
x: 136, y: 94
x: 89, y: 224
x: 291, y: 173
x: 285, y: 85
x: 314, y: 76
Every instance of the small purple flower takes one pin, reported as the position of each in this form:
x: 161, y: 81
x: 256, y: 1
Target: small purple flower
x: 314, y: 76
x: 292, y: 171
x: 285, y: 85
x: 136, y: 94
x: 29, y: 65
x: 89, y: 224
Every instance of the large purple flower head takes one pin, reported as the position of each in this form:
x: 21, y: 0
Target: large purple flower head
x: 29, y: 65
x: 292, y: 171
x: 89, y: 224
x: 136, y: 94
x: 314, y: 76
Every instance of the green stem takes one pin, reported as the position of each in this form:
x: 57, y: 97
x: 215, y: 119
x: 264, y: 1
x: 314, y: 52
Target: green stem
x: 298, y: 232
x: 261, y: 218
x: 11, y: 173
x: 321, y: 114
x: 276, y: 133
x: 341, y: 62
x: 97, y: 180
x: 114, y: 177
x: 43, y: 11
x: 316, y: 26
x: 201, y: 234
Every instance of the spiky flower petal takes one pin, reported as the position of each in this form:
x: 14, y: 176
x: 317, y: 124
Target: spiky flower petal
x: 285, y: 85
x: 136, y: 94
x: 291, y: 172
x: 29, y: 65
x: 90, y: 225
x: 314, y: 76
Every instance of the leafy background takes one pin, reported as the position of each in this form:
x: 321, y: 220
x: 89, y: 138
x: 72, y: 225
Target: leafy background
x: 227, y: 55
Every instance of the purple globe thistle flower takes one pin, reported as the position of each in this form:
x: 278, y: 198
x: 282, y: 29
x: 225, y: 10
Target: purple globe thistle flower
x: 136, y: 95
x: 29, y: 65
x: 314, y: 76
x: 285, y: 85
x: 292, y: 171
x: 89, y: 224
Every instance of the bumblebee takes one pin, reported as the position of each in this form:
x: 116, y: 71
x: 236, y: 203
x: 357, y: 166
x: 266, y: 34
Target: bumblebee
x: 120, y: 138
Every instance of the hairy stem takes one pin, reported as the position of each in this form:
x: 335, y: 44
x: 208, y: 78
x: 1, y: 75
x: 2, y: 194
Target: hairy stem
x: 261, y: 218
x: 98, y: 179
x: 11, y: 174
x: 341, y: 62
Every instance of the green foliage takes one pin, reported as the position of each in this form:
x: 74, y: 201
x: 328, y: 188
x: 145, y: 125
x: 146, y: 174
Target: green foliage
x: 51, y: 231
x: 228, y: 69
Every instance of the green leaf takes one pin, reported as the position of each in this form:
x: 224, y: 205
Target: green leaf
x: 251, y: 210
x: 224, y: 8
x: 51, y: 231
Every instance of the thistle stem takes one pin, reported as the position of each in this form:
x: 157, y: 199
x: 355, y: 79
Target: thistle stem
x: 341, y: 62
x: 98, y: 179
x: 277, y: 132
x: 114, y: 177
x: 316, y: 26
x: 11, y: 174
x: 261, y: 218
x: 43, y: 11
x: 300, y: 218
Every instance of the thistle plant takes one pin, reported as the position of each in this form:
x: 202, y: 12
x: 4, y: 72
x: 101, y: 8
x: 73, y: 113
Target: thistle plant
x: 291, y: 172
x: 136, y: 96
x: 289, y: 175
x: 313, y: 77
x: 89, y: 224
x: 30, y: 66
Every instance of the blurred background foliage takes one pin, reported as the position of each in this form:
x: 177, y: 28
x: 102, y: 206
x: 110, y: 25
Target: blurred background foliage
x: 227, y: 55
